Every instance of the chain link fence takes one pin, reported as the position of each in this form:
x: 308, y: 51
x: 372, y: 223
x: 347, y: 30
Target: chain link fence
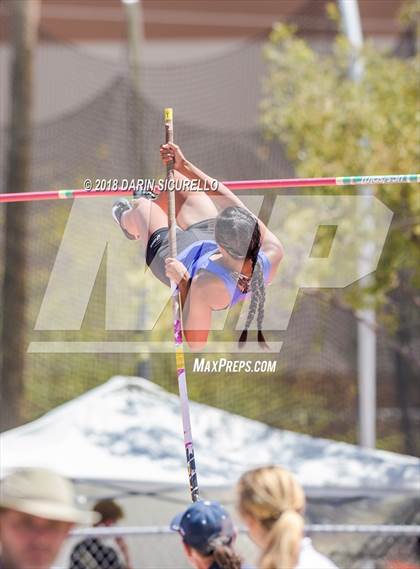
x: 349, y: 546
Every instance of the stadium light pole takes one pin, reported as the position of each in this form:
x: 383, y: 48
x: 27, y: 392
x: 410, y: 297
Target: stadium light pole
x: 366, y: 336
x: 135, y: 39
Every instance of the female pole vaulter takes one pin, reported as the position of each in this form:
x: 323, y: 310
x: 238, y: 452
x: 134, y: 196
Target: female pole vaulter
x: 225, y: 253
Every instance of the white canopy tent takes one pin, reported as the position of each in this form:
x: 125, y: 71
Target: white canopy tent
x: 128, y: 432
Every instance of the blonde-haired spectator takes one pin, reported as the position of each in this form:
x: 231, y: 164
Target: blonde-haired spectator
x: 271, y: 503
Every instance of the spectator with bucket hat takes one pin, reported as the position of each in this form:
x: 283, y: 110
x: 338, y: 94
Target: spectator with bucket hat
x: 37, y: 511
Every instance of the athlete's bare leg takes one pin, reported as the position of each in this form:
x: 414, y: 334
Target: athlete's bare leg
x: 148, y: 216
x: 144, y: 219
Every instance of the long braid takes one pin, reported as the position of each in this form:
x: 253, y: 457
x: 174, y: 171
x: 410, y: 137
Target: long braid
x: 236, y: 228
x: 260, y: 285
x: 254, y: 304
x: 257, y: 302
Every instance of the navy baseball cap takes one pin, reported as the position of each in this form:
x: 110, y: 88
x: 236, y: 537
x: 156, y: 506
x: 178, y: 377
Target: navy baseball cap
x: 202, y: 522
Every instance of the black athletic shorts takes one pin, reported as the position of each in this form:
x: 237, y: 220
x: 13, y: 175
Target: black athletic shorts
x: 158, y: 245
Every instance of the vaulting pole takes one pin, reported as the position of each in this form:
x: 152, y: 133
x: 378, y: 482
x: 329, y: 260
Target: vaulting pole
x: 177, y: 323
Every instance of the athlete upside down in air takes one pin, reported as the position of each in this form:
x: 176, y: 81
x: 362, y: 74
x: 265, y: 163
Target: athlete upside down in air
x: 225, y: 254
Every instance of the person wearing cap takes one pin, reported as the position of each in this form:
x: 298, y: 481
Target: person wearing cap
x: 93, y: 552
x: 37, y: 511
x: 208, y: 535
x: 271, y: 503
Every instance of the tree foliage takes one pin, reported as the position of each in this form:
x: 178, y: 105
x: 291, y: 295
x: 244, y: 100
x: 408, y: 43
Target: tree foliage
x: 334, y: 126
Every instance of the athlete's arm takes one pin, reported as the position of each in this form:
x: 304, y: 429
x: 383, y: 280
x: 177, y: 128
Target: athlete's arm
x: 198, y: 297
x: 197, y: 315
x: 223, y: 197
x: 178, y: 273
x: 206, y: 293
x: 270, y: 244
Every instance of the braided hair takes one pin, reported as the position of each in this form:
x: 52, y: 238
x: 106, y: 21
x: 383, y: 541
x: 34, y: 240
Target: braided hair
x: 238, y: 232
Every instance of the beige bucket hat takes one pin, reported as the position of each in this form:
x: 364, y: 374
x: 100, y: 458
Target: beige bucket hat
x: 43, y: 493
